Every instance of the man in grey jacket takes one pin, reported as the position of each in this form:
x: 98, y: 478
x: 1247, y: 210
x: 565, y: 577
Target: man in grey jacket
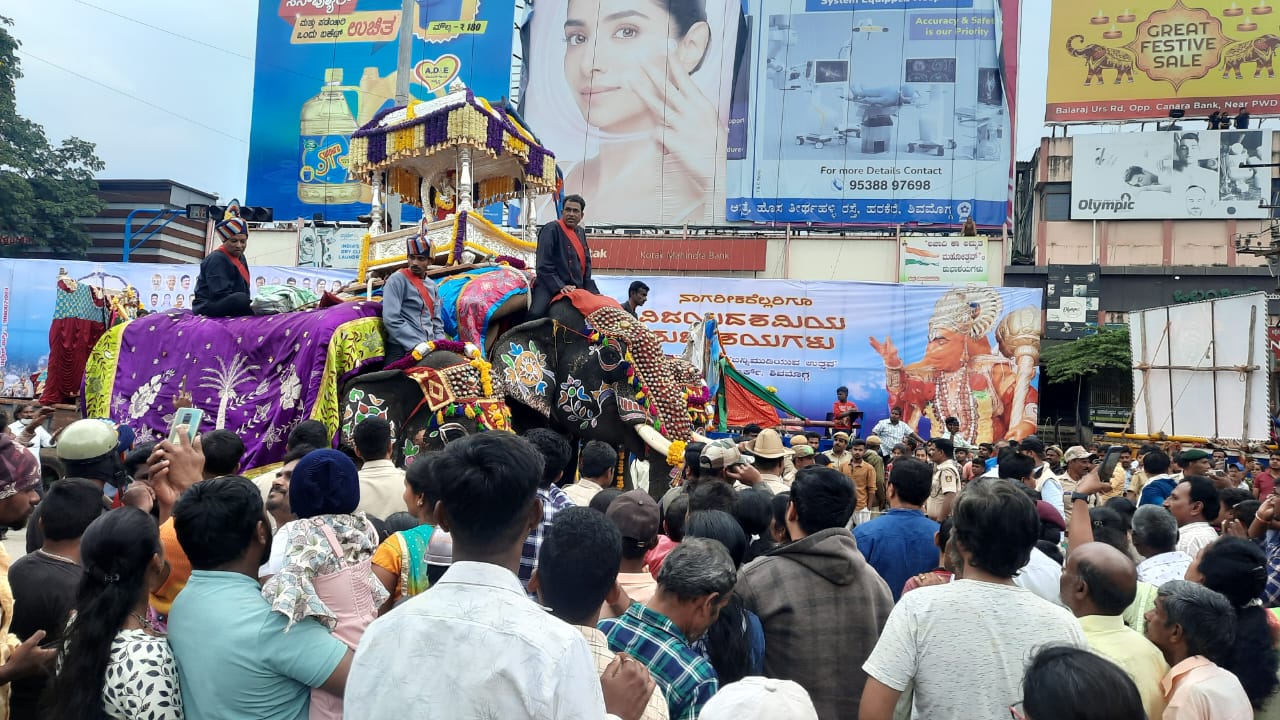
x: 410, y: 303
x: 821, y: 604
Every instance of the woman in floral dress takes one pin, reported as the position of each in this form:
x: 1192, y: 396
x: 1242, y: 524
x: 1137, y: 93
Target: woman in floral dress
x: 114, y: 662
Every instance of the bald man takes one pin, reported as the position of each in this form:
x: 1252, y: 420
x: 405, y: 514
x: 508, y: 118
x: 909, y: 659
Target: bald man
x: 1098, y: 583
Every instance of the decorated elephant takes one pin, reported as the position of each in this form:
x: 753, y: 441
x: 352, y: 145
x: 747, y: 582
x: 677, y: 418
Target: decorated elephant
x: 444, y: 396
x: 597, y: 373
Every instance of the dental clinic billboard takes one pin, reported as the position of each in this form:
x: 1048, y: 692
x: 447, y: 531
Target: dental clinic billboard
x: 1187, y: 175
x: 326, y: 67
x: 808, y: 338
x: 872, y: 113
x: 865, y: 112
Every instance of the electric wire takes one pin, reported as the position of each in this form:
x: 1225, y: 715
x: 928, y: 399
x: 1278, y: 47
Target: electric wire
x: 133, y: 97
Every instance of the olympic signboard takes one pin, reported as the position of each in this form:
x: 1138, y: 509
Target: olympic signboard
x: 1138, y: 59
x: 1170, y: 175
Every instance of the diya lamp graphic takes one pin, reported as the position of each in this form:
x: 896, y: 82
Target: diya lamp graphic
x: 1233, y: 11
x: 1126, y: 17
x: 1262, y: 8
x: 1112, y: 34
x: 1099, y: 19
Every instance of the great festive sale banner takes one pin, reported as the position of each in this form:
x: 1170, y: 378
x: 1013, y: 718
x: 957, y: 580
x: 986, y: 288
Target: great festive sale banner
x: 1138, y: 59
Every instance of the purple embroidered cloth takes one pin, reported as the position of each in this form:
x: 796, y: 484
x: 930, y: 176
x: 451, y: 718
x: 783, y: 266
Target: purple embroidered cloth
x: 256, y: 376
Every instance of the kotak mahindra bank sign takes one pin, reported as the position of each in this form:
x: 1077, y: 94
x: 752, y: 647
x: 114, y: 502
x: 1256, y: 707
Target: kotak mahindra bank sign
x: 1151, y: 57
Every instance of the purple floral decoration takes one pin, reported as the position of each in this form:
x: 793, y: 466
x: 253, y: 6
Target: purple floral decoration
x: 377, y: 148
x: 459, y: 237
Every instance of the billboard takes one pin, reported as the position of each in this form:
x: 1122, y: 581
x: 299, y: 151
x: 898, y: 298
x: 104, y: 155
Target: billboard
x: 941, y: 260
x: 1201, y: 369
x: 29, y: 290
x: 635, y: 105
x: 1184, y: 175
x: 326, y: 67
x: 808, y: 338
x: 1138, y: 59
x: 870, y: 113
x: 1071, y: 305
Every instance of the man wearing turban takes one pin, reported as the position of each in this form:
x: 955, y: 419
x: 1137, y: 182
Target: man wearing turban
x: 222, y: 290
x: 410, y: 303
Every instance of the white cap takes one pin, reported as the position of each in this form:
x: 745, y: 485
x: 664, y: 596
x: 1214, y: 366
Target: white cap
x: 759, y: 698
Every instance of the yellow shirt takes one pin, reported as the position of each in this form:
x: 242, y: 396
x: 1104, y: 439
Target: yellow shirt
x: 1141, y: 660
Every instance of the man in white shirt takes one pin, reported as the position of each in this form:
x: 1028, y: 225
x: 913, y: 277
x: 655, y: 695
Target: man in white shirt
x: 935, y: 630
x: 1098, y: 584
x: 476, y: 645
x: 953, y: 434
x: 40, y: 438
x: 1155, y: 537
x: 891, y: 431
x: 381, y: 482
x: 595, y: 470
x: 1047, y: 483
x: 1194, y: 504
x: 1194, y: 627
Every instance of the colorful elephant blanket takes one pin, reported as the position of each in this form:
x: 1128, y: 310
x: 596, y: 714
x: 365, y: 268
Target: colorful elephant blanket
x: 256, y: 376
x: 469, y: 299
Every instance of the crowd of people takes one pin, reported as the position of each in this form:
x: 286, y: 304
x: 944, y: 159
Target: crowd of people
x: 511, y: 576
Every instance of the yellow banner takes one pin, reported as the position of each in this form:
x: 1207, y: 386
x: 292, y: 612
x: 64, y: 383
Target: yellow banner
x: 365, y: 26
x: 1138, y: 59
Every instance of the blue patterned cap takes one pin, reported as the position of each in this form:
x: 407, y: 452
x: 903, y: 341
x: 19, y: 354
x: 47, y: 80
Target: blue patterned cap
x: 417, y: 245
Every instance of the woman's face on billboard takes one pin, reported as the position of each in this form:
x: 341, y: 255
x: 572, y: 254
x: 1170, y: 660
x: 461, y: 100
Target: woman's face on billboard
x: 617, y: 63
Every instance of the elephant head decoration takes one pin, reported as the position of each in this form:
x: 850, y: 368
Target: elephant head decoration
x: 602, y: 376
x: 446, y: 395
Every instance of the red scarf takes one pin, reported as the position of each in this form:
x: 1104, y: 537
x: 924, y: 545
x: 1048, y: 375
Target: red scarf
x: 244, y: 271
x: 422, y: 290
x: 577, y: 247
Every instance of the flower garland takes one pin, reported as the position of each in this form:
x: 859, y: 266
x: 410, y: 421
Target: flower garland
x: 675, y: 453
x: 468, y: 350
x: 364, y: 257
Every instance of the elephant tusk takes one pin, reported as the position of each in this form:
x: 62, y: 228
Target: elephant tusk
x: 700, y: 438
x: 653, y: 439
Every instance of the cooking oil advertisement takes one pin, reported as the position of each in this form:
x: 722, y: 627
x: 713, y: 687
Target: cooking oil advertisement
x: 1139, y: 59
x: 326, y: 67
x: 871, y: 113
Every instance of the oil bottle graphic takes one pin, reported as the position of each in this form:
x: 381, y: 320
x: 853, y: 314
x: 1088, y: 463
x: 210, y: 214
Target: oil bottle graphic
x: 324, y: 135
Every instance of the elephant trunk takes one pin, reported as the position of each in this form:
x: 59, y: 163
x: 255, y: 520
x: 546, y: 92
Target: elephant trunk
x: 653, y: 438
x: 697, y: 437
x: 1071, y: 45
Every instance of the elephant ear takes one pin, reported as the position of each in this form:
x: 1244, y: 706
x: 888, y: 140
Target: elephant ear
x: 523, y: 364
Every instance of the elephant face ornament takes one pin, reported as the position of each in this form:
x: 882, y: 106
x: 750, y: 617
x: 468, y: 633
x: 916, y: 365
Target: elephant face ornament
x: 441, y: 399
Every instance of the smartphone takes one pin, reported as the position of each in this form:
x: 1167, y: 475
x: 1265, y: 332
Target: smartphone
x: 1109, y: 462
x: 191, y: 417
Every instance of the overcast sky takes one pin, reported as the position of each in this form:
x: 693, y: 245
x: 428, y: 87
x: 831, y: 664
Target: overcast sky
x: 164, y: 87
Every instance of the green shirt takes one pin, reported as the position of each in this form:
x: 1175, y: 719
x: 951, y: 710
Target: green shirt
x: 234, y: 658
